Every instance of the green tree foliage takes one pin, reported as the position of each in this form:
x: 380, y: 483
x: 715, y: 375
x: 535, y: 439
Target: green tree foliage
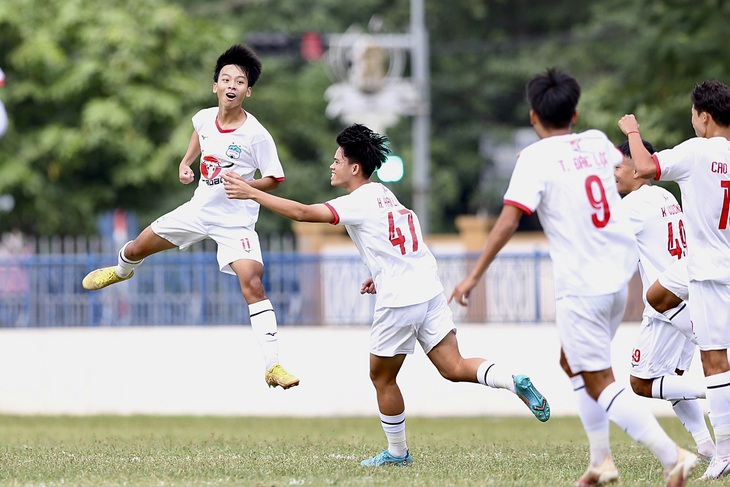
x: 662, y: 49
x: 100, y: 95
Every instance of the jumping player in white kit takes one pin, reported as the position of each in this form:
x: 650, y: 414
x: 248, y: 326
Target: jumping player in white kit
x: 701, y: 168
x: 410, y: 305
x: 567, y: 178
x: 664, y: 348
x: 225, y: 138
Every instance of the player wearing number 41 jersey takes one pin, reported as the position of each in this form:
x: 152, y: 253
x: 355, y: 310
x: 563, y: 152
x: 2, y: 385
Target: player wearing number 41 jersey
x: 568, y: 180
x: 410, y: 305
x: 701, y: 167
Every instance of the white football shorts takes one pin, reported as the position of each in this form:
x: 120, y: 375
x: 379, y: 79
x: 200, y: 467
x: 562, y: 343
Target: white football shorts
x: 586, y: 326
x: 660, y: 350
x: 395, y: 330
x: 675, y: 279
x: 710, y: 314
x: 183, y: 227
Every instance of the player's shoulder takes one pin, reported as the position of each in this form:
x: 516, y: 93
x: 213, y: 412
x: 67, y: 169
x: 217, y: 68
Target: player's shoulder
x: 379, y: 192
x: 537, y: 149
x: 593, y: 134
x: 714, y: 145
x: 694, y: 144
x: 595, y: 140
x: 254, y: 128
x: 206, y: 114
x: 658, y: 192
x: 648, y: 195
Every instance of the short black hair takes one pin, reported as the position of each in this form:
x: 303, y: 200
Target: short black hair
x: 244, y: 58
x: 365, y: 147
x: 713, y: 97
x: 625, y: 150
x: 553, y: 96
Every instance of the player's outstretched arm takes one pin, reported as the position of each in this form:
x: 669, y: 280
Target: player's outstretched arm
x: 237, y: 188
x: 504, y: 228
x: 264, y: 184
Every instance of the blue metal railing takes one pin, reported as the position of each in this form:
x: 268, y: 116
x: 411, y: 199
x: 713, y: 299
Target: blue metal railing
x: 186, y: 288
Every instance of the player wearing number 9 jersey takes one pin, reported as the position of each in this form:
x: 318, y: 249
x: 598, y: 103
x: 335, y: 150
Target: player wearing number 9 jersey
x: 410, y: 306
x: 701, y: 167
x: 568, y: 180
x: 593, y: 251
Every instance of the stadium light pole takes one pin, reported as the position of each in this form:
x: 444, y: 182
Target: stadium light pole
x: 417, y: 44
x: 421, y: 119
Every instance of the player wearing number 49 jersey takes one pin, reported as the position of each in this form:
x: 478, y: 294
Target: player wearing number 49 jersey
x: 567, y: 178
x: 701, y: 167
x: 665, y: 344
x: 410, y: 305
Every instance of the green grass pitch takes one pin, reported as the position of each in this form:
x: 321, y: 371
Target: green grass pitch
x: 271, y: 452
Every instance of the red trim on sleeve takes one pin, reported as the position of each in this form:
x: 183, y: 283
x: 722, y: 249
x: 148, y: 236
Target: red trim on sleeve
x: 520, y: 206
x: 279, y: 179
x: 334, y: 213
x: 658, y: 168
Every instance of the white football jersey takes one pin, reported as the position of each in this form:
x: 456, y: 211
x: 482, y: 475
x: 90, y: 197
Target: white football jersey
x: 569, y: 181
x: 243, y: 151
x: 389, y: 239
x: 658, y: 224
x: 701, y: 168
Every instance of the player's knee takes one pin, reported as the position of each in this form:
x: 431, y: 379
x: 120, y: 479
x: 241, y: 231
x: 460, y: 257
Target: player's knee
x: 382, y: 381
x: 564, y: 365
x: 451, y: 374
x: 660, y: 298
x: 253, y: 289
x: 133, y: 252
x: 641, y: 387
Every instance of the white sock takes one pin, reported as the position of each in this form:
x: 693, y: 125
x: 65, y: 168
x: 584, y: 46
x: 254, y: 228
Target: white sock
x: 627, y: 411
x: 263, y: 323
x: 595, y: 422
x: 675, y: 387
x: 491, y: 375
x: 124, y: 265
x: 718, y: 397
x: 693, y: 419
x: 395, y: 431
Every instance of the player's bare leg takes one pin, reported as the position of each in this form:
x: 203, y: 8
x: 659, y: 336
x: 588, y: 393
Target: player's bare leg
x: 383, y: 374
x: 682, y: 393
x: 448, y: 360
x: 250, y: 274
x: 661, y: 299
x: 715, y: 365
x: 130, y: 257
x: 601, y: 469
